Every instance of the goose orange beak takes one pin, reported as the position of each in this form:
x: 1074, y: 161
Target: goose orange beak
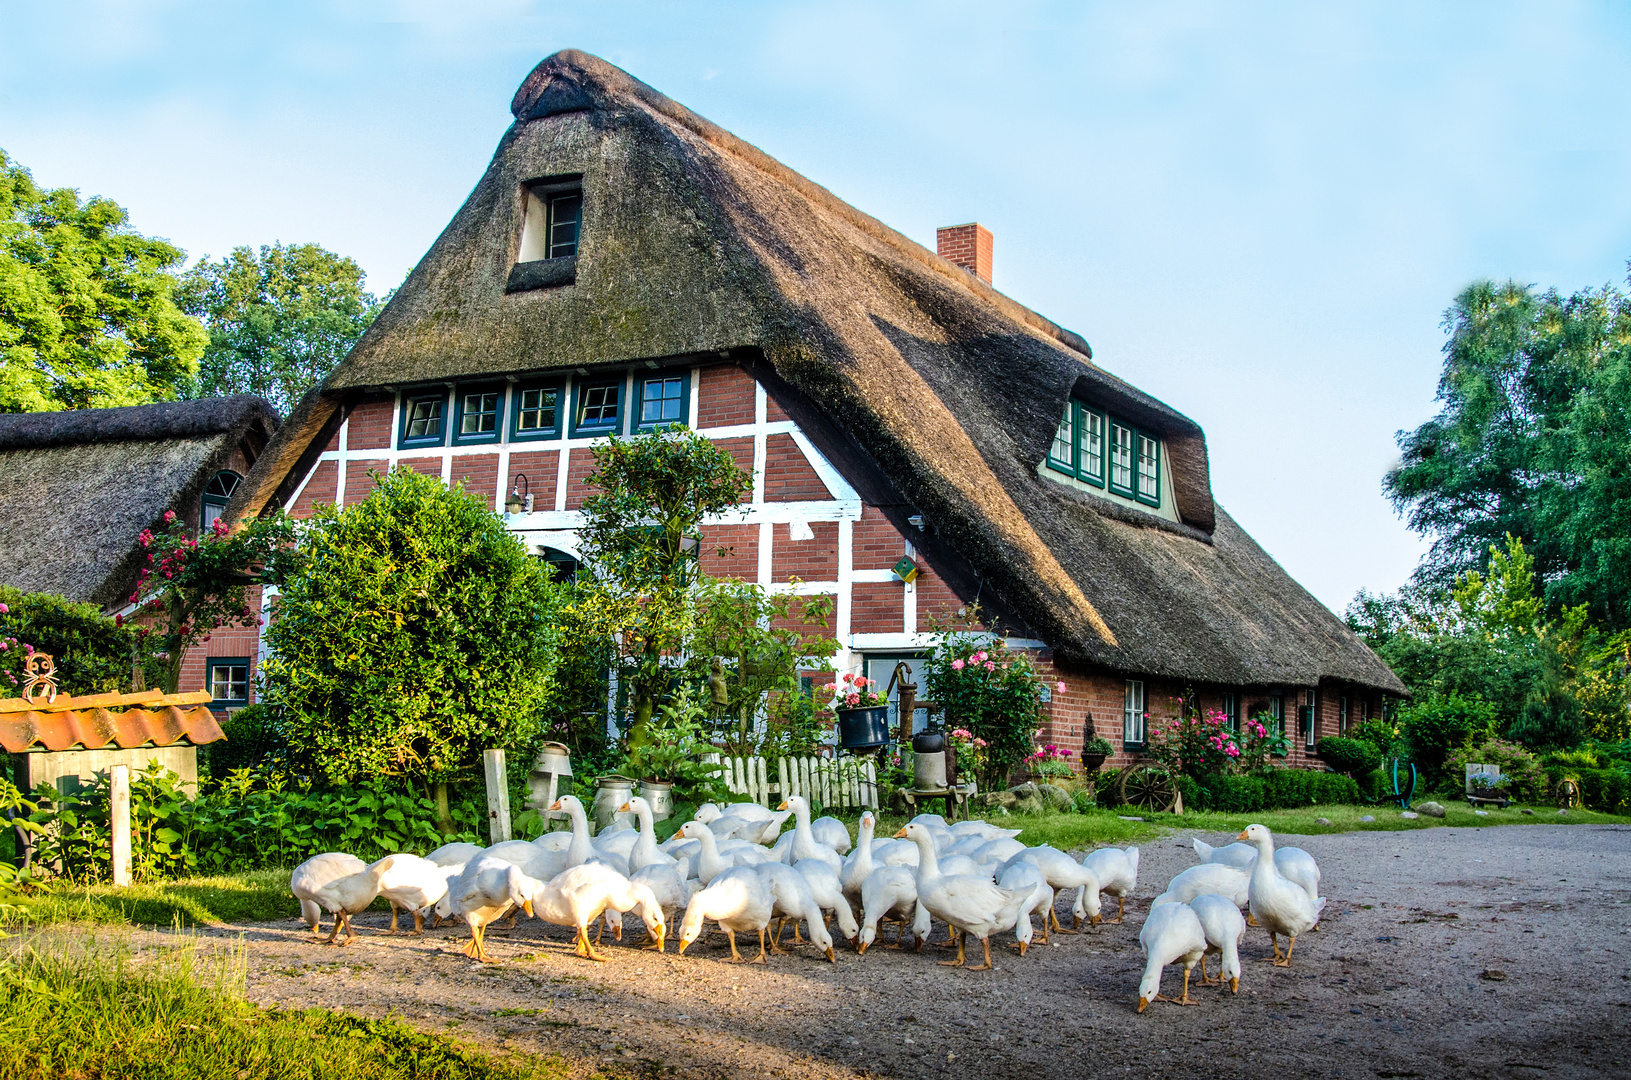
x: 556, y: 805
x: 902, y: 834
x: 1143, y: 1003
x: 1234, y: 986
x: 783, y: 806
x: 625, y: 808
x: 832, y: 958
x: 1242, y: 835
x: 527, y: 907
x: 681, y: 950
x: 860, y: 949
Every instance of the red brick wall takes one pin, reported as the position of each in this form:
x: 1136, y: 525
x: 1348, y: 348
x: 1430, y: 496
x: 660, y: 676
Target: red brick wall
x: 807, y: 560
x: 969, y: 246
x: 319, y: 489
x: 788, y: 475
x: 424, y: 466
x: 877, y: 545
x: 935, y: 598
x: 741, y: 558
x: 579, y: 464
x: 541, y: 468
x: 370, y: 425
x: 358, y: 484
x: 876, y: 608
x: 479, y: 472
x: 724, y: 397
x: 774, y: 411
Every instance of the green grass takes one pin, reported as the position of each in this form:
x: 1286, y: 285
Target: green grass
x: 253, y: 896
x: 79, y: 1008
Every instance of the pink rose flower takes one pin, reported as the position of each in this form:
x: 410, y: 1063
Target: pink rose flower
x: 169, y: 516
x: 957, y: 665
x: 1059, y: 686
x: 989, y: 666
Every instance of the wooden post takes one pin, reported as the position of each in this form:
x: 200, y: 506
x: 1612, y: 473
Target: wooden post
x: 119, y: 826
x: 498, y: 795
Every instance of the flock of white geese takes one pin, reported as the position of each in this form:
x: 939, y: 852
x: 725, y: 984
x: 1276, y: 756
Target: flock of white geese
x: 736, y: 867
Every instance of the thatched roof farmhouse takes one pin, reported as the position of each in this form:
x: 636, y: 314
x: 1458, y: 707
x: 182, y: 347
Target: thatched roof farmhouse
x: 620, y: 248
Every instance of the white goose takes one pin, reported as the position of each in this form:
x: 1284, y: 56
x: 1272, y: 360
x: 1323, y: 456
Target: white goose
x: 737, y: 899
x: 1224, y: 927
x: 1063, y: 872
x: 1207, y: 879
x: 1117, y: 870
x: 644, y: 852
x: 455, y: 854
x: 414, y: 884
x: 859, y: 864
x: 1237, y: 855
x: 344, y: 897
x: 711, y: 861
x: 968, y: 904
x: 1028, y: 875
x: 671, y: 891
x: 580, y: 895
x: 983, y: 829
x: 1279, y: 906
x: 582, y: 848
x: 790, y: 898
x: 831, y: 832
x: 890, y: 892
x: 1172, y: 934
x: 804, y: 844
x: 484, y: 890
x: 829, y: 896
x: 316, y: 872
x: 1293, y: 863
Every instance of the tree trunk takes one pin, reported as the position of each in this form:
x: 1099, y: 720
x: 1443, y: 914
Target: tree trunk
x: 444, y: 815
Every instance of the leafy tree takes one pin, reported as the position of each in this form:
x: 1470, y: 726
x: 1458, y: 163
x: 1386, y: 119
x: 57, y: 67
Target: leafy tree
x: 88, y: 316
x: 279, y: 321
x: 640, y: 542
x: 416, y: 633
x: 93, y: 653
x: 191, y: 586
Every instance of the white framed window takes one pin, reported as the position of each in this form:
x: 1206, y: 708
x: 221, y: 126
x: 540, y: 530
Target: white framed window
x: 1062, y: 454
x: 1149, y: 471
x: 1123, y: 439
x: 1231, y: 711
x: 227, y: 680
x: 1311, y: 718
x: 1133, y: 723
x: 1342, y: 715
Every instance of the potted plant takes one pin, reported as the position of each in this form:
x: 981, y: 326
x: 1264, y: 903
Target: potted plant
x: 670, y: 760
x: 1049, y: 762
x: 1488, y: 785
x: 1094, y: 753
x: 863, y: 713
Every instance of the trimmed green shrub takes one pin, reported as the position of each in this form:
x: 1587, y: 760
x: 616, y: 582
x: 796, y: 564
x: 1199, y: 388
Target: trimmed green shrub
x: 1271, y: 789
x: 1608, y: 790
x: 93, y: 653
x: 1438, y: 725
x: 1350, y: 756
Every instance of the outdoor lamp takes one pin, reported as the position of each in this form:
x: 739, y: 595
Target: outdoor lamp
x: 518, y: 502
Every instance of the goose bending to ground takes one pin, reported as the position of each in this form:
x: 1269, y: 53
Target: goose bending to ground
x: 414, y: 884
x: 346, y: 896
x: 1117, y: 870
x: 804, y: 845
x: 483, y: 892
x: 1172, y: 934
x: 1064, y: 872
x: 1028, y: 875
x: 737, y: 899
x: 790, y: 898
x: 823, y: 883
x: 890, y: 892
x: 579, y: 896
x: 316, y: 872
x: 1279, y: 906
x: 1207, y: 879
x: 967, y: 903
x: 1237, y: 855
x: 1224, y: 926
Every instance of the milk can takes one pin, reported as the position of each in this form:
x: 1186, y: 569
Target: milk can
x: 612, y: 792
x: 660, y: 794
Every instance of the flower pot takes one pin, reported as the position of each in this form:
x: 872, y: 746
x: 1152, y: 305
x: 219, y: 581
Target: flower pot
x: 1092, y: 761
x: 863, y: 729
x: 660, y: 794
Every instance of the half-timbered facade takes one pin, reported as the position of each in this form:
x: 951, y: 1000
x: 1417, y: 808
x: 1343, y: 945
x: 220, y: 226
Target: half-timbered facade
x: 624, y: 264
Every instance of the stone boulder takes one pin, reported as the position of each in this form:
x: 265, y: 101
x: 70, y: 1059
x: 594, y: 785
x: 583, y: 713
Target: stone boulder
x: 1431, y: 809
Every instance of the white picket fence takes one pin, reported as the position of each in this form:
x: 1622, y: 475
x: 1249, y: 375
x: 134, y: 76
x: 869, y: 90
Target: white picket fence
x: 837, y: 784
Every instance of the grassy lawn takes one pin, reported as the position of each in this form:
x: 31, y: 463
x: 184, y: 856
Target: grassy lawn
x: 253, y: 896
x: 94, y: 1010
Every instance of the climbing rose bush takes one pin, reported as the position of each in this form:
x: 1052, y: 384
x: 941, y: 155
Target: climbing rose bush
x: 1197, y: 743
x: 993, y: 694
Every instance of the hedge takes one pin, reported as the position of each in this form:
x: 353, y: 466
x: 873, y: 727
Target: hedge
x: 1608, y: 790
x: 1272, y: 789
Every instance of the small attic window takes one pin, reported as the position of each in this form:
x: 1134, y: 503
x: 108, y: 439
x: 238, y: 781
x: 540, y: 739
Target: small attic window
x: 217, y: 493
x: 551, y: 225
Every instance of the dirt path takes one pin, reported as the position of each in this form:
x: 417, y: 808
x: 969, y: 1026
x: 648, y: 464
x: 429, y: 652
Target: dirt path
x: 1499, y: 952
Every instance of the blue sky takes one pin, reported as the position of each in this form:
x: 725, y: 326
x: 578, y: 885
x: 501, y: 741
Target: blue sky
x: 1256, y: 212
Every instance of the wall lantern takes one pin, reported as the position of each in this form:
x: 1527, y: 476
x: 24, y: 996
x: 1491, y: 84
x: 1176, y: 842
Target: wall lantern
x: 520, y: 499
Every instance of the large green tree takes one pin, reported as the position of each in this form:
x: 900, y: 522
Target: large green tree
x: 416, y: 633
x: 1533, y: 439
x: 88, y: 314
x: 279, y: 320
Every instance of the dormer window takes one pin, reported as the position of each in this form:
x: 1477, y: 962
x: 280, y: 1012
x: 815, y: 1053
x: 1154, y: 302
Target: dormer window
x: 217, y: 493
x: 1105, y: 452
x: 551, y: 226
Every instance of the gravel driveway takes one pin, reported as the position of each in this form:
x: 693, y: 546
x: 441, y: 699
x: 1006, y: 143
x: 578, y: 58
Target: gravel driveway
x: 1496, y: 952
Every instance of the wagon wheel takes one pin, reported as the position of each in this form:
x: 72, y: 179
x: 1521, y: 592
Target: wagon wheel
x: 1568, y: 794
x: 1148, y: 788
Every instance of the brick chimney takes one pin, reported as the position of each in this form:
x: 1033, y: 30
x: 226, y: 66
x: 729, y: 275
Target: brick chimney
x: 969, y: 246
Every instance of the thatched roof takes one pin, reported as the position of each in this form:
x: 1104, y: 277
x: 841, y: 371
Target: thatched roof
x: 936, y: 394
x: 76, y: 488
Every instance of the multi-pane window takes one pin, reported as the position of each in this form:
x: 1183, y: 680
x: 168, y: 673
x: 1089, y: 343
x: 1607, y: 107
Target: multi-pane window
x: 1231, y: 712
x: 1122, y: 453
x: 1078, y: 444
x: 1277, y: 713
x: 1062, y: 454
x: 662, y: 401
x: 1149, y: 470
x: 1132, y: 714
x: 1090, y: 465
x: 565, y: 218
x: 1310, y: 718
x: 597, y: 405
x: 538, y: 411
x: 1364, y: 711
x: 1342, y: 715
x: 479, y: 414
x: 228, y: 681
x: 217, y: 493
x: 422, y: 420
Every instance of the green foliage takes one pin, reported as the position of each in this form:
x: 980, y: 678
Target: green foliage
x: 253, y: 741
x: 97, y: 1010
x: 93, y: 653
x: 88, y: 317
x: 676, y: 740
x: 992, y: 692
x: 416, y: 633
x: 1197, y: 744
x: 1350, y: 755
x: 641, y: 541
x: 198, y: 584
x: 1606, y: 790
x: 278, y: 321
x: 248, y: 821
x: 1384, y: 734
x: 1270, y: 789
x: 1436, y: 726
